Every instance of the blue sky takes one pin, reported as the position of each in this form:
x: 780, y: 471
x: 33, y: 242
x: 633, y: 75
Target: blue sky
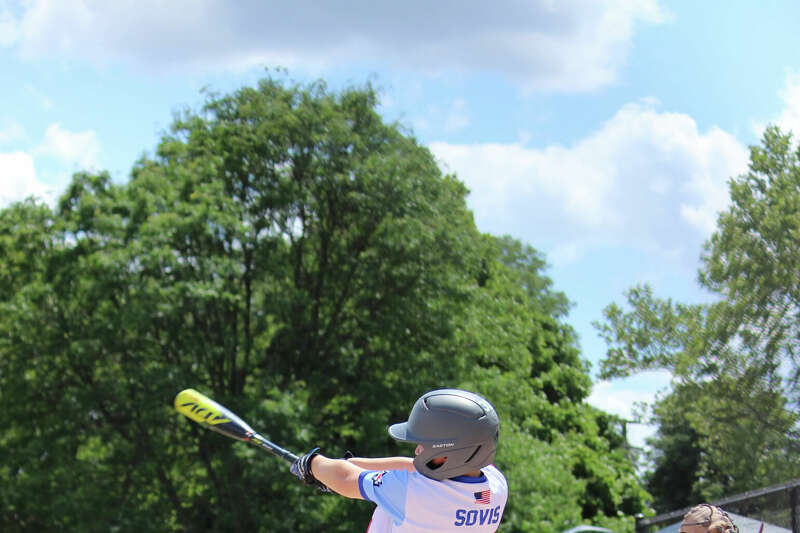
x: 601, y: 132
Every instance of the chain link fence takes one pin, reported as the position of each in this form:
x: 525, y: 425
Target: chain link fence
x: 777, y: 506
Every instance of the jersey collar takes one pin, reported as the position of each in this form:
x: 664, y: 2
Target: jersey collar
x: 468, y: 479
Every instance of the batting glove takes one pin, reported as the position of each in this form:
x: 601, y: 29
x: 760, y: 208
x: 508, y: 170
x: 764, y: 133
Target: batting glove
x: 302, y: 469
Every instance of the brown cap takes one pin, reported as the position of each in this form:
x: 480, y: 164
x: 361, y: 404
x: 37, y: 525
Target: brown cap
x: 706, y: 518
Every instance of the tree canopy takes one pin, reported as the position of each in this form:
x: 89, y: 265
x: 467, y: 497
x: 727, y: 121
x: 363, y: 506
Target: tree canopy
x: 290, y: 254
x: 731, y: 420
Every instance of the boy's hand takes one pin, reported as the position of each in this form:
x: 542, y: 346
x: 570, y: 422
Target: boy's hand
x: 302, y: 469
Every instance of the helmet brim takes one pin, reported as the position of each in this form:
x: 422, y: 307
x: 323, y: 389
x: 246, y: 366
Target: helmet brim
x: 400, y: 432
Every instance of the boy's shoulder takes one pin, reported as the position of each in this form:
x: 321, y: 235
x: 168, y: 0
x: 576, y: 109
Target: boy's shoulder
x: 491, y: 471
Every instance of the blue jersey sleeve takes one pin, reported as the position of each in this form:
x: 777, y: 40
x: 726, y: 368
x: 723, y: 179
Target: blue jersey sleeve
x: 387, y: 489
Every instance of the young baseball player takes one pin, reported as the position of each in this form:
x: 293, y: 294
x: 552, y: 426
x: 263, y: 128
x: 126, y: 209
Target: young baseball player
x: 450, y: 485
x: 706, y: 518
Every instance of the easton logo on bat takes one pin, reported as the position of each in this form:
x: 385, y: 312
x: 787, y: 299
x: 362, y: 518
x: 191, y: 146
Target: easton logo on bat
x: 197, y: 409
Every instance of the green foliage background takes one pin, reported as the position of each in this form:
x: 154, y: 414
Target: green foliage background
x: 730, y: 422
x: 309, y: 266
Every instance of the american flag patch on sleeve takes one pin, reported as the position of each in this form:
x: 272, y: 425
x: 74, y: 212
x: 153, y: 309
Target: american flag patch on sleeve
x: 483, y: 496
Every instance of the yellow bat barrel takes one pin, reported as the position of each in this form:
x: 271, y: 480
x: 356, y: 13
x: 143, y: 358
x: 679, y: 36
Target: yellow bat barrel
x: 203, y: 410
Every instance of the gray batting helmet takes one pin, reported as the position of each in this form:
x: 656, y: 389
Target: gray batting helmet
x: 452, y: 423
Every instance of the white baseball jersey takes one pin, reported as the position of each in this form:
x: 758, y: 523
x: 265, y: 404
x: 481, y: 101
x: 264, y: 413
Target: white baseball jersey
x: 409, y: 502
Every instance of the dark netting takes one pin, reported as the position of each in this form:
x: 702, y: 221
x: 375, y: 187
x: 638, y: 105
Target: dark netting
x: 776, y: 508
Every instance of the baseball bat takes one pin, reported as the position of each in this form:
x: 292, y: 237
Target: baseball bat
x: 206, y: 412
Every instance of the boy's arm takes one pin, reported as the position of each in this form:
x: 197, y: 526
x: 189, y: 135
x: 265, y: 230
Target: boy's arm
x: 342, y: 475
x: 338, y: 475
x: 383, y: 463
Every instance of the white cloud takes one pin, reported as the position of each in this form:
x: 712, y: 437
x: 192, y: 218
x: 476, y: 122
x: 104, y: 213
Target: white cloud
x: 78, y: 149
x: 789, y: 119
x: 61, y: 152
x: 645, y: 179
x: 18, y: 179
x: 622, y: 397
x: 542, y: 44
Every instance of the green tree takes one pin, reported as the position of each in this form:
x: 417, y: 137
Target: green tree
x: 293, y: 256
x: 734, y: 360
x: 286, y: 252
x: 676, y: 456
x: 567, y: 462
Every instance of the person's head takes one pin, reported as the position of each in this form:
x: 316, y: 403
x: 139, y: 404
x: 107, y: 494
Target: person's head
x: 456, y: 432
x: 706, y: 518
